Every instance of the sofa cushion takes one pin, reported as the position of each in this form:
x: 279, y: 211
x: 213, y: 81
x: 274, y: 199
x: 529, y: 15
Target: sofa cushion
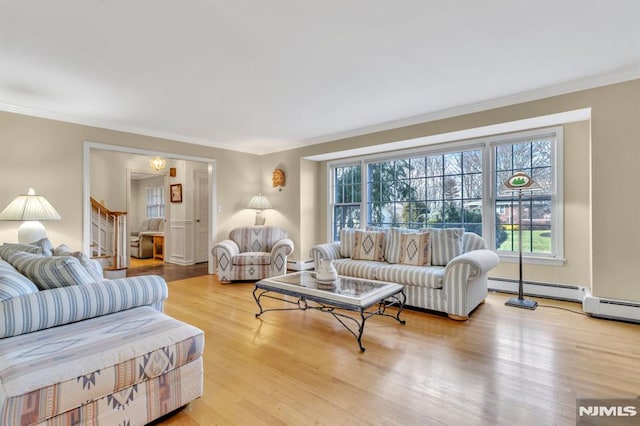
x: 430, y: 276
x: 48, y: 272
x: 62, y: 250
x: 252, y: 258
x: 257, y: 238
x: 13, y: 283
x: 445, y: 244
x: 357, y: 268
x: 415, y: 249
x: 7, y: 248
x: 346, y: 242
x: 368, y: 245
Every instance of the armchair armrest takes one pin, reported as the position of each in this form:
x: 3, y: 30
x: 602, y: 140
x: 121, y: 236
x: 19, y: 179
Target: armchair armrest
x: 279, y: 253
x: 325, y: 251
x: 228, y: 247
x: 284, y: 246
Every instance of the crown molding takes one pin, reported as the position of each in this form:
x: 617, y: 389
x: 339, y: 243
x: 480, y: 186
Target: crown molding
x: 625, y: 74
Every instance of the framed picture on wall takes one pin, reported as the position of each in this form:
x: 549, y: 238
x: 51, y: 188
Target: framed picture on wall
x: 176, y: 193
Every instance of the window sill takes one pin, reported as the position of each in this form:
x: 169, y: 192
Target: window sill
x: 532, y: 260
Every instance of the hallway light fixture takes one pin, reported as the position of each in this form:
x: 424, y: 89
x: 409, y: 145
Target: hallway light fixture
x: 30, y: 208
x: 157, y: 163
x: 259, y: 202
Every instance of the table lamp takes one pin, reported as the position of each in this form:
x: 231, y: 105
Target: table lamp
x: 30, y: 209
x: 259, y: 202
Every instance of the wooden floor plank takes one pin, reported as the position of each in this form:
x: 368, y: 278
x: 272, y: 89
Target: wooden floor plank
x: 503, y: 366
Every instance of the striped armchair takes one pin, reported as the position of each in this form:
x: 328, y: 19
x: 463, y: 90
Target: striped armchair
x: 252, y: 253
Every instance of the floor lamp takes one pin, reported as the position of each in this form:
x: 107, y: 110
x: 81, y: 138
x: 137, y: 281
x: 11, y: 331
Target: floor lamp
x: 519, y: 183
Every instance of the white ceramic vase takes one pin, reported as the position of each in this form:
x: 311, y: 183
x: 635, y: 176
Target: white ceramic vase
x: 326, y: 272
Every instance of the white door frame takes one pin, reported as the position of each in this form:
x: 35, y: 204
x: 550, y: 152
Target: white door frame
x: 87, y: 146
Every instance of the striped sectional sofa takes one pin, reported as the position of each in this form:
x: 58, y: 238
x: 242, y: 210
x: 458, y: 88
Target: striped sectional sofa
x: 442, y: 270
x: 76, y: 350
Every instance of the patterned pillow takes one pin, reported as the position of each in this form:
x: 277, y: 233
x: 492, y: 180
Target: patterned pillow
x: 49, y: 272
x: 415, y: 249
x: 7, y: 248
x: 12, y: 283
x: 445, y: 245
x: 346, y: 242
x: 45, y: 244
x: 393, y: 249
x: 62, y: 250
x: 368, y: 245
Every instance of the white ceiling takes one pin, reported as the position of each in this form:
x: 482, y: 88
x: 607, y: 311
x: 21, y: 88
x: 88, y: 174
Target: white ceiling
x: 267, y: 75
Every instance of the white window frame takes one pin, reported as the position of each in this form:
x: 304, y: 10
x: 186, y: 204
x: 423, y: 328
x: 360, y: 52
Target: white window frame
x: 488, y: 212
x: 161, y: 206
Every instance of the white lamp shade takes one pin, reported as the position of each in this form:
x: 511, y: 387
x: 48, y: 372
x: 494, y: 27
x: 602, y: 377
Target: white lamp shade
x: 30, y: 208
x: 259, y: 202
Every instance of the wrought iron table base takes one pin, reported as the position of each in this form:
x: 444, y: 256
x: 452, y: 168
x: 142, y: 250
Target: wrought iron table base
x: 303, y: 303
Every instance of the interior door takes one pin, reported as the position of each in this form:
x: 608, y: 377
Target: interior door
x: 201, y: 209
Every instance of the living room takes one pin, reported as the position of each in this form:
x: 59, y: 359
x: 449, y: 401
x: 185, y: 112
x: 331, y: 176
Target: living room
x: 601, y: 125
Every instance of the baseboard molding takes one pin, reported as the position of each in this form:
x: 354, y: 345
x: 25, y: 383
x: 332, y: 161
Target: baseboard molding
x: 571, y: 293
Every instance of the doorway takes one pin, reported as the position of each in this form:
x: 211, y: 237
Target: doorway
x: 103, y: 167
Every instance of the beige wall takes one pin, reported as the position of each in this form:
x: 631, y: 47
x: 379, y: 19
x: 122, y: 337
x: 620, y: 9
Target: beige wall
x: 47, y: 155
x: 599, y: 155
x: 600, y: 212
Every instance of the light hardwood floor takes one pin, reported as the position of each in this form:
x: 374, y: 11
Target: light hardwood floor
x: 505, y: 365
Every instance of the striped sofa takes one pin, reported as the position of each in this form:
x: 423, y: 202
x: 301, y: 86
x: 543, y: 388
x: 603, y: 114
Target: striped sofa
x: 443, y: 270
x: 74, y: 352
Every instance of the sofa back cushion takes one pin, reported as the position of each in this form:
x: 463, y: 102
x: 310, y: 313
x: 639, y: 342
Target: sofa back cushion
x: 445, y: 244
x: 346, y: 242
x: 45, y: 245
x: 49, y: 272
x: 13, y: 283
x: 368, y: 245
x: 257, y: 238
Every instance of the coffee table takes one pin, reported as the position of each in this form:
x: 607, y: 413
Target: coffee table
x: 338, y: 298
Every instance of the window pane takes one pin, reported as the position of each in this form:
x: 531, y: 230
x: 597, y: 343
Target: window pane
x: 534, y: 221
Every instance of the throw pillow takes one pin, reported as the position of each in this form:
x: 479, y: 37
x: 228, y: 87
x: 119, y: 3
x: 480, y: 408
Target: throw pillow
x: 393, y: 250
x: 49, y: 272
x: 62, y: 250
x: 415, y: 249
x: 12, y: 283
x: 45, y: 245
x: 445, y: 244
x: 368, y: 246
x: 7, y: 248
x: 346, y: 242
x: 93, y: 268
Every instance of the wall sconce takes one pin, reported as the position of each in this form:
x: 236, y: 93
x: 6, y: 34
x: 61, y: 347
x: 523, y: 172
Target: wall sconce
x: 30, y: 208
x: 157, y: 163
x: 259, y: 202
x: 278, y: 178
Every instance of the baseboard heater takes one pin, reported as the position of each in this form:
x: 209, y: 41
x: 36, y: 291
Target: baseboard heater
x: 621, y: 310
x: 571, y: 293
x: 611, y: 309
x: 300, y: 265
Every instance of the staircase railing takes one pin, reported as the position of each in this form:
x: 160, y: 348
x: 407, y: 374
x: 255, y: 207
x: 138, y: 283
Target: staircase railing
x: 108, y: 235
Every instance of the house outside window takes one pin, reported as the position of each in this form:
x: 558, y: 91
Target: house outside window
x: 459, y: 186
x: 155, y: 201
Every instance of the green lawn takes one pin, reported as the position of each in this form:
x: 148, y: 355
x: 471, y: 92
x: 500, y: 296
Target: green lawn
x: 541, y: 241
